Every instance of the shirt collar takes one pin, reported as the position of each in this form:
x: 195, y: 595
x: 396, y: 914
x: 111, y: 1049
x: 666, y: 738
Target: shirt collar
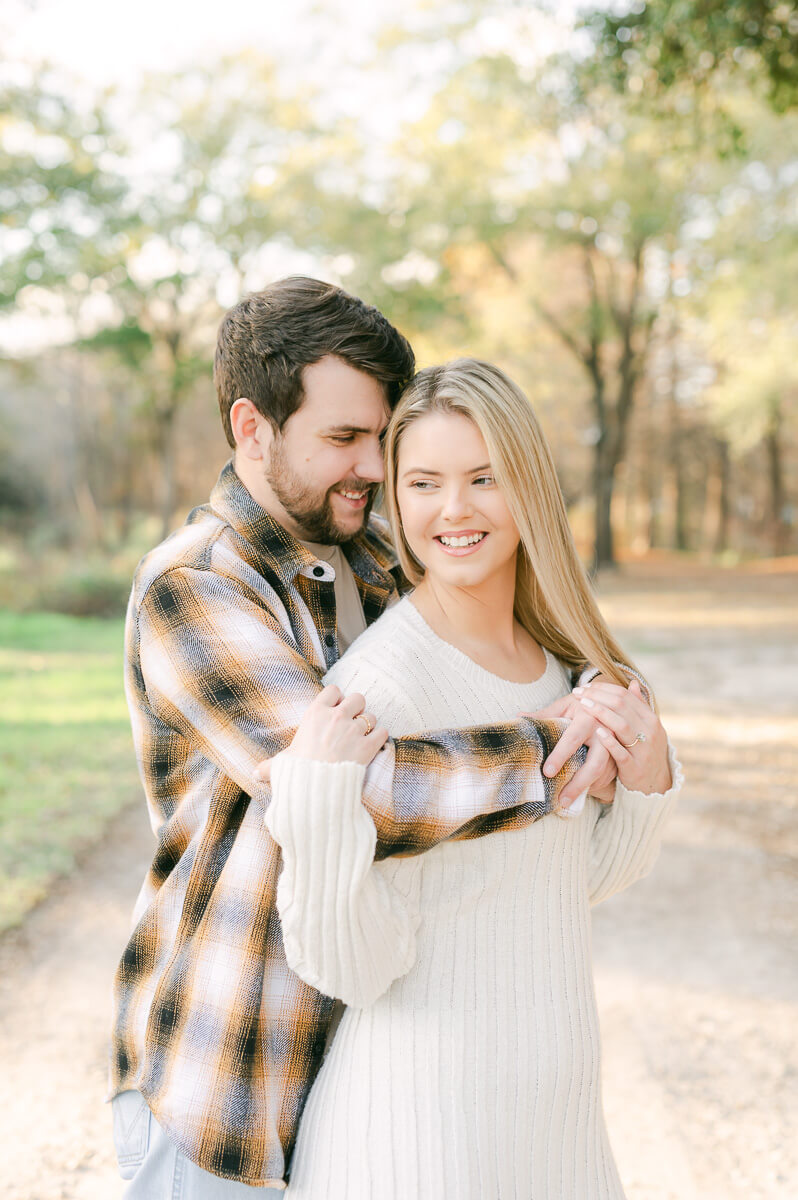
x: 370, y: 554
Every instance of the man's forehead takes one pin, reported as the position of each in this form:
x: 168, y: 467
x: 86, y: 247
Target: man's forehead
x: 359, y: 406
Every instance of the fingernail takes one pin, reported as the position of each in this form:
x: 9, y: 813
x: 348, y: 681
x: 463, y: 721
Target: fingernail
x: 565, y: 800
x: 588, y: 703
x: 602, y: 732
x: 547, y: 770
x: 578, y: 691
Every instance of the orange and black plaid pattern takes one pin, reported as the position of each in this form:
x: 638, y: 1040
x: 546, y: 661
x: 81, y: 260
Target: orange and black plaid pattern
x: 231, y: 626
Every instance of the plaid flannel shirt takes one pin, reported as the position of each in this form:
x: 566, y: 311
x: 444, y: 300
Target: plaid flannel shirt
x: 231, y: 626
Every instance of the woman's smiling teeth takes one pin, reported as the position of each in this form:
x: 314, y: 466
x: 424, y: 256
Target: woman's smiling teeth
x: 469, y: 539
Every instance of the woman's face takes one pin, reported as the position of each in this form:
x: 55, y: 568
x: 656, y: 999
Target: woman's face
x: 454, y: 517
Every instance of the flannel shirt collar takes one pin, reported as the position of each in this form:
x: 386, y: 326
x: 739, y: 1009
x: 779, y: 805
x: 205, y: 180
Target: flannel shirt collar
x: 369, y: 554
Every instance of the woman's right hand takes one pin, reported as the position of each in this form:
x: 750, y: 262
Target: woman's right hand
x: 333, y: 729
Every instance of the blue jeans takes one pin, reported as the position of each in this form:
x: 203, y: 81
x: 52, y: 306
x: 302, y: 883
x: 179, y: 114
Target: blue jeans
x: 156, y: 1168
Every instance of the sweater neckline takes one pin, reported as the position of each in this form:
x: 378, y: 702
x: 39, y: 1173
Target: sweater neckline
x: 467, y: 665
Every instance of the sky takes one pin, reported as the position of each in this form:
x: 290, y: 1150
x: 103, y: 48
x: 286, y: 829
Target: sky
x: 96, y: 41
x: 104, y: 43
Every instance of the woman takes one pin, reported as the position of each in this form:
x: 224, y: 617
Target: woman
x: 467, y: 1061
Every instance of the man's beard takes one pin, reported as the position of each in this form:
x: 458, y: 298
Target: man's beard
x: 311, y: 510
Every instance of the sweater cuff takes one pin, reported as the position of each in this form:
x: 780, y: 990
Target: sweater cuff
x: 305, y: 791
x: 654, y: 799
x: 590, y: 673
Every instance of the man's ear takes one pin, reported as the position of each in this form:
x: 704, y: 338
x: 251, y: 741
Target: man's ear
x: 253, y: 433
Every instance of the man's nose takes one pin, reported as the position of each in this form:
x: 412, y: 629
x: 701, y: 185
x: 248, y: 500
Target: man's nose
x: 369, y: 464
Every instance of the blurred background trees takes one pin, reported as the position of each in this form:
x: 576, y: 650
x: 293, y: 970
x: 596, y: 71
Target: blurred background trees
x: 606, y: 209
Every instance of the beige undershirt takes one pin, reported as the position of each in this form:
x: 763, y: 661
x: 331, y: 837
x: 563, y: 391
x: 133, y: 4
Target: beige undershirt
x: 348, y: 608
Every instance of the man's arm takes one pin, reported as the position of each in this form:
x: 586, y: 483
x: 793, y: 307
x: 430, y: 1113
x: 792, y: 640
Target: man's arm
x: 219, y: 668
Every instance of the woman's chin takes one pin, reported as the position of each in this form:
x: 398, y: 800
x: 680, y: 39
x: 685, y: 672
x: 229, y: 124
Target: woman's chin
x: 460, y: 574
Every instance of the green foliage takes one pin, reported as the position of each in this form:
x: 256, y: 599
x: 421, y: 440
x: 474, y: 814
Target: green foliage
x: 670, y: 42
x: 62, y: 200
x: 563, y: 212
x: 128, y: 340
x: 86, y: 591
x: 66, y: 760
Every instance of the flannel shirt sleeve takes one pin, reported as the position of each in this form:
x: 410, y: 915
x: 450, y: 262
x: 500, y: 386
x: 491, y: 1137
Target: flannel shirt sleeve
x: 220, y: 669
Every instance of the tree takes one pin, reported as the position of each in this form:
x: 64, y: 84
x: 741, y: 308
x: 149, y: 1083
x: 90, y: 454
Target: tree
x: 504, y: 161
x: 694, y: 43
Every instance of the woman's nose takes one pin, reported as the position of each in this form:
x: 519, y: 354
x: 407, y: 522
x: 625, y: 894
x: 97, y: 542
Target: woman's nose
x: 456, y: 504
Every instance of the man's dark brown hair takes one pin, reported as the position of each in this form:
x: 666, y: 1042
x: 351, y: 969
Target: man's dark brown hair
x: 267, y: 338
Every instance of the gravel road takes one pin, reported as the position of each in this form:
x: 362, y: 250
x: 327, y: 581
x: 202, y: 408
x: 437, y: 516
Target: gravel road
x: 696, y: 970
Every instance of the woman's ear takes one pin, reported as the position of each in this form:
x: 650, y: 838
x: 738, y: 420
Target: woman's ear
x: 253, y: 433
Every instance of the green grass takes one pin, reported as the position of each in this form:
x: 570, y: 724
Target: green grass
x: 66, y: 756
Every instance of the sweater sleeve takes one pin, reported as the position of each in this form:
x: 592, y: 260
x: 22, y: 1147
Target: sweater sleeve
x: 347, y: 929
x: 627, y: 836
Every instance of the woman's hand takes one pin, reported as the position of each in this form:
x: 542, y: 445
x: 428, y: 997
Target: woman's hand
x: 631, y: 732
x: 334, y: 728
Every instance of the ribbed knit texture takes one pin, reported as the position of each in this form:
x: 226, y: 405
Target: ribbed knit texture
x: 467, y: 1065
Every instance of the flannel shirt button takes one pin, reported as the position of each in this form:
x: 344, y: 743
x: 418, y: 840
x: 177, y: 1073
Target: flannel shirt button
x: 318, y: 572
x: 329, y: 640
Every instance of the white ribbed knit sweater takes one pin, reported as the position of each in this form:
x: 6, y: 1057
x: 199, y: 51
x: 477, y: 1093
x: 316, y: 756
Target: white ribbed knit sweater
x: 466, y: 1066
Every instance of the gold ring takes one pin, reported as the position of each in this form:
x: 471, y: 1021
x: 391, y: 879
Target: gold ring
x: 641, y: 737
x: 363, y: 717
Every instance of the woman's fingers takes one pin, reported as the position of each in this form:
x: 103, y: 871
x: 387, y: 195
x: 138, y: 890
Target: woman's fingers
x: 625, y: 713
x: 352, y: 706
x: 263, y: 771
x: 618, y: 698
x: 617, y: 722
x: 616, y: 749
x: 377, y: 739
x: 587, y: 774
x: 559, y: 708
x: 577, y: 734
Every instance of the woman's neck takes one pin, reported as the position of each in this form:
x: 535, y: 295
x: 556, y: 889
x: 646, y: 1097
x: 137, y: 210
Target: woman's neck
x: 471, y: 616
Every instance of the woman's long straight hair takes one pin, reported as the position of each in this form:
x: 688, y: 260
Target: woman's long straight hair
x: 554, y: 601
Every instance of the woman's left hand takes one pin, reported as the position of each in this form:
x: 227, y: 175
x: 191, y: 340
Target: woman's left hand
x: 632, y: 733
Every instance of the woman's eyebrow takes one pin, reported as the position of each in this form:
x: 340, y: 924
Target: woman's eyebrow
x: 427, y: 471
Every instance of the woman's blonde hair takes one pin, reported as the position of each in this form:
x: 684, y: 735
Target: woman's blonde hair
x: 553, y: 597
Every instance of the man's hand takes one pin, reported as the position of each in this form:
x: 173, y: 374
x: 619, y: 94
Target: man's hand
x: 334, y: 729
x: 598, y: 773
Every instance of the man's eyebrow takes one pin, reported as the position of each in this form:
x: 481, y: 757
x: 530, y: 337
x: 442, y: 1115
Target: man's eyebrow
x: 347, y: 429
x: 427, y: 471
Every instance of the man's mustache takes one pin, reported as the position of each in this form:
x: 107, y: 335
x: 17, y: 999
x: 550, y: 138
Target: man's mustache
x: 356, y: 485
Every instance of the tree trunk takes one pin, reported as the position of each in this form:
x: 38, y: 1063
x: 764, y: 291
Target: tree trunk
x: 680, y: 539
x: 723, y: 498
x: 776, y: 495
x: 675, y: 451
x: 605, y: 463
x: 168, y: 471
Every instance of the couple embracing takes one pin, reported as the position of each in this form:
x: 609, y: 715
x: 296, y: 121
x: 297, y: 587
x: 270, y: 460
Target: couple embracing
x: 389, y: 768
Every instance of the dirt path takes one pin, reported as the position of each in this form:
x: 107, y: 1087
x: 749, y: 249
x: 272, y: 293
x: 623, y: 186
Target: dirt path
x: 696, y: 968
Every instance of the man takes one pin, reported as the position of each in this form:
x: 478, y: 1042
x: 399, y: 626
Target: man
x: 232, y: 622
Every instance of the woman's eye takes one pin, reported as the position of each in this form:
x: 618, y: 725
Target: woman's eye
x: 422, y: 485
x: 343, y: 440
x: 484, y: 479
